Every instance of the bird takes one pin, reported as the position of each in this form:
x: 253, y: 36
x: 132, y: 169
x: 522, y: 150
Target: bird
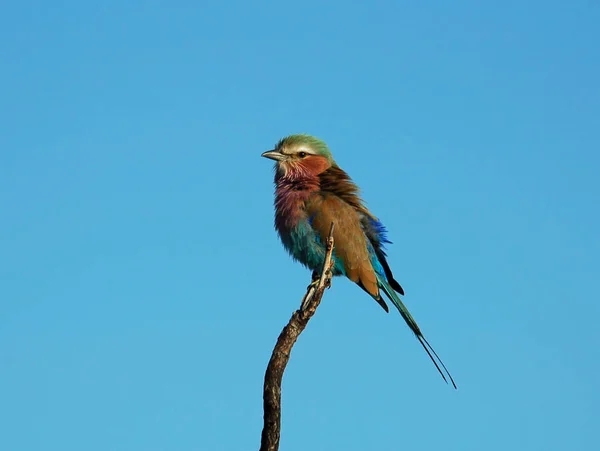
x: 311, y: 192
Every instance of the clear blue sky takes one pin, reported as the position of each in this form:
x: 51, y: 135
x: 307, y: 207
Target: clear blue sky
x: 142, y: 285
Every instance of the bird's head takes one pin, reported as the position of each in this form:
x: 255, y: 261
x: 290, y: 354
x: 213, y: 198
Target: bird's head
x: 300, y: 155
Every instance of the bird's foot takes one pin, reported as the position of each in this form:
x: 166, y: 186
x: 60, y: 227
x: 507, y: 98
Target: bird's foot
x: 315, y: 280
x: 312, y: 288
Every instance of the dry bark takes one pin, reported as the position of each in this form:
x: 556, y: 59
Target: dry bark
x: 281, y: 353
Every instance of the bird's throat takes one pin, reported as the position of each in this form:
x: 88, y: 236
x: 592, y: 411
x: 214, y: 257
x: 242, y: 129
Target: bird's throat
x: 291, y: 194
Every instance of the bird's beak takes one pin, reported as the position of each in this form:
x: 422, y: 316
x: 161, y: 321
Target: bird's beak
x: 273, y: 155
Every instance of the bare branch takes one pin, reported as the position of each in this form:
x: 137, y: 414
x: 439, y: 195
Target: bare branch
x: 281, y: 353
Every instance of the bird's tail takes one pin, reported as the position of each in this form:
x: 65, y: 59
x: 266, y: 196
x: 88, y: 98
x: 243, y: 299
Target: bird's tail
x: 393, y: 296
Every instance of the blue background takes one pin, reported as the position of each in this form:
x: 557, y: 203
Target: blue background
x: 142, y: 286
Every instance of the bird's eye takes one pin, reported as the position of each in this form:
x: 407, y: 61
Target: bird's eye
x: 302, y: 154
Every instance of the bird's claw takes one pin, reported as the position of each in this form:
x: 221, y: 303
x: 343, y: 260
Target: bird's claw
x: 313, y: 284
x: 312, y: 289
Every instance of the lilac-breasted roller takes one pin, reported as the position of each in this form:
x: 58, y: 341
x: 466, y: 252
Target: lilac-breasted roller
x: 311, y: 192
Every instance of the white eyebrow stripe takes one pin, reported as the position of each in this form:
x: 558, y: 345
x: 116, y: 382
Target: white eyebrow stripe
x: 308, y: 150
